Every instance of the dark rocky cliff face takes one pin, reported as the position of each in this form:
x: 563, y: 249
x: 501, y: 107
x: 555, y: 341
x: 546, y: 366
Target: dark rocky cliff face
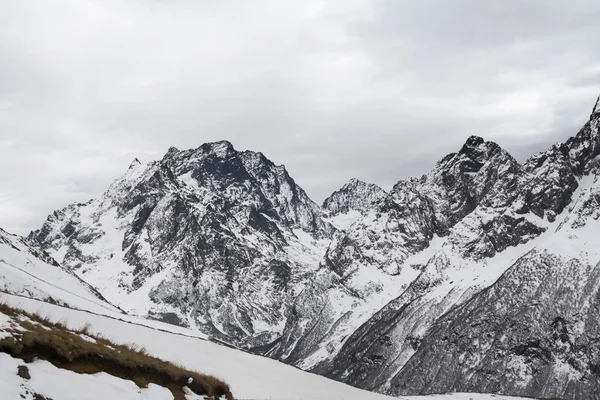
x: 428, y: 287
x: 534, y: 332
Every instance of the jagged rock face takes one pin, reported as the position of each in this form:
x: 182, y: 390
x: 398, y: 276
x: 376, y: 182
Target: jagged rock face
x: 524, y: 206
x: 534, y: 332
x: 265, y: 187
x: 461, y: 181
x: 376, y: 258
x: 404, y: 222
x: 211, y: 237
x: 584, y: 148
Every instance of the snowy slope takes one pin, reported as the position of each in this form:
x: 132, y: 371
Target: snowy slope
x: 250, y: 376
x: 52, y: 382
x: 27, y: 271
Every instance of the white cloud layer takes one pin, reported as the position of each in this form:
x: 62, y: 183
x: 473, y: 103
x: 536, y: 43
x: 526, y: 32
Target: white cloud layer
x: 373, y: 89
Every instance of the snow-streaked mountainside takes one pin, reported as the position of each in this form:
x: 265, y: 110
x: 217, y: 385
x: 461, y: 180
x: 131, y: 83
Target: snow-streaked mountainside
x: 250, y: 376
x: 455, y: 281
x: 219, y: 240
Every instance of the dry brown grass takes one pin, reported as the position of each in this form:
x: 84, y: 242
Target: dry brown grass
x: 86, y: 329
x: 67, y: 349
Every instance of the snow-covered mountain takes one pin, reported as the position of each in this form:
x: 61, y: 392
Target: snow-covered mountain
x: 548, y: 205
x: 535, y: 330
x: 427, y: 288
x: 212, y: 238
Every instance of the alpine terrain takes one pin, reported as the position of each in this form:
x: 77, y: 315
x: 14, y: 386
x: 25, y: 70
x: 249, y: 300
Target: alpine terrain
x: 481, y: 276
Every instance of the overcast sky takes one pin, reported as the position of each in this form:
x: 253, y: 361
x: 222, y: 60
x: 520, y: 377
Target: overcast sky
x: 377, y: 90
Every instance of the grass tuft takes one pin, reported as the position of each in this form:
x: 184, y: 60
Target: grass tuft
x: 85, y: 329
x: 23, y: 372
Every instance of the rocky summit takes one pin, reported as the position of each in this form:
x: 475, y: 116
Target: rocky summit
x: 483, y: 275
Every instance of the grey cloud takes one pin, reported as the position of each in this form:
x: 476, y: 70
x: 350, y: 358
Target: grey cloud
x: 378, y: 90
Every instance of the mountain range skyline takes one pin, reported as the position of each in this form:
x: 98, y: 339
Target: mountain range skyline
x: 24, y: 229
x: 331, y: 89
x: 300, y: 199
x: 367, y: 287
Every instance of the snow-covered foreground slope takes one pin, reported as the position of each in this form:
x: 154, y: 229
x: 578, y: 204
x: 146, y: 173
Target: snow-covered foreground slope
x: 55, y: 362
x: 250, y: 376
x: 56, y: 383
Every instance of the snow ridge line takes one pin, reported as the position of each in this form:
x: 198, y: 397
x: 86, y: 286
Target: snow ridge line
x: 53, y: 285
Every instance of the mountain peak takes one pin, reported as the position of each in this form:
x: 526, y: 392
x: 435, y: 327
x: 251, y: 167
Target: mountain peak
x: 221, y: 148
x: 583, y: 149
x: 476, y: 151
x: 135, y: 163
x: 223, y: 144
x: 354, y: 182
x: 354, y: 195
x: 596, y: 110
x: 171, y: 152
x: 477, y: 144
x: 474, y: 141
x: 357, y: 184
